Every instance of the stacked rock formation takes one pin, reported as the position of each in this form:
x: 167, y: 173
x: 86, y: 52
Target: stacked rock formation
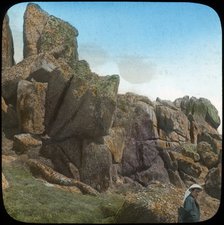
x: 55, y: 107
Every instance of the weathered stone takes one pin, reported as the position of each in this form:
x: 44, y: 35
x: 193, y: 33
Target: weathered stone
x: 82, y: 69
x: 126, y: 184
x: 212, y: 116
x: 9, y: 116
x: 142, y: 162
x: 70, y: 148
x: 74, y: 170
x: 5, y: 183
x: 186, y: 178
x: 60, y: 160
x: 38, y: 67
x: 114, y: 173
x: 171, y: 137
x: 57, y: 74
x: 164, y: 144
x: 187, y: 165
x: 190, y: 150
x: 214, y: 141
x: 183, y: 104
x: 136, y: 114
x: 57, y: 32
x: 89, y: 106
x: 166, y: 103
x: 213, y: 182
x: 31, y: 106
x: 169, y: 162
x: 35, y: 20
x: 40, y: 169
x: 7, y: 45
x: 175, y: 179
x: 201, y: 109
x: 208, y: 157
x: 173, y: 123
x: 135, y: 210
x: 145, y: 122
x: 43, y: 68
x: 4, y: 106
x: 156, y: 172
x: 85, y: 189
x: 47, y: 162
x: 96, y: 166
x: 189, y: 168
x: 194, y: 129
x: 198, y: 109
x: 130, y: 161
x: 43, y: 33
x: 65, y: 155
x: 25, y: 142
x: 158, y: 204
x: 147, y: 155
x: 115, y: 142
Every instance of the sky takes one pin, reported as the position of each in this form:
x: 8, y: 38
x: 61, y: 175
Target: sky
x: 165, y: 50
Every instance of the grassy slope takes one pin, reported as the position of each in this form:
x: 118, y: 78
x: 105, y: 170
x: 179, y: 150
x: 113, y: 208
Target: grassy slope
x: 29, y: 200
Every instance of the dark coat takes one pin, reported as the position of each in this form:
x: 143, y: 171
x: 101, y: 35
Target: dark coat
x: 193, y: 209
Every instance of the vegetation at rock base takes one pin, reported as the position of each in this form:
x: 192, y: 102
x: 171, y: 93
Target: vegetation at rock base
x: 30, y: 200
x: 35, y: 201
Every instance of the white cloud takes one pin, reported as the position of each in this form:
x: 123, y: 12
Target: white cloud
x: 94, y: 54
x: 136, y: 69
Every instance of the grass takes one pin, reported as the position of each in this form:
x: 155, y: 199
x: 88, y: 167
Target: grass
x: 29, y: 200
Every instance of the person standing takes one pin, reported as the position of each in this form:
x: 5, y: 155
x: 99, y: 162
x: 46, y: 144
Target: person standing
x: 191, y: 205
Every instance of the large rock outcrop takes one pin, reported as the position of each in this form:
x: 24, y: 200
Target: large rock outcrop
x: 34, y: 21
x: 168, y: 127
x: 115, y: 142
x: 7, y: 45
x: 96, y: 165
x: 59, y: 100
x: 39, y: 67
x: 31, y: 106
x: 137, y: 115
x: 213, y: 184
x: 43, y: 32
x: 91, y: 97
x: 202, y: 115
x: 89, y: 132
x: 173, y: 125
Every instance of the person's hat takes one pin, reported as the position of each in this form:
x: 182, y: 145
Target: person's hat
x: 195, y: 186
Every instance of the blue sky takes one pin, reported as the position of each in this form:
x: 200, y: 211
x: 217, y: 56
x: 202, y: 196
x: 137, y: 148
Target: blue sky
x: 165, y: 50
